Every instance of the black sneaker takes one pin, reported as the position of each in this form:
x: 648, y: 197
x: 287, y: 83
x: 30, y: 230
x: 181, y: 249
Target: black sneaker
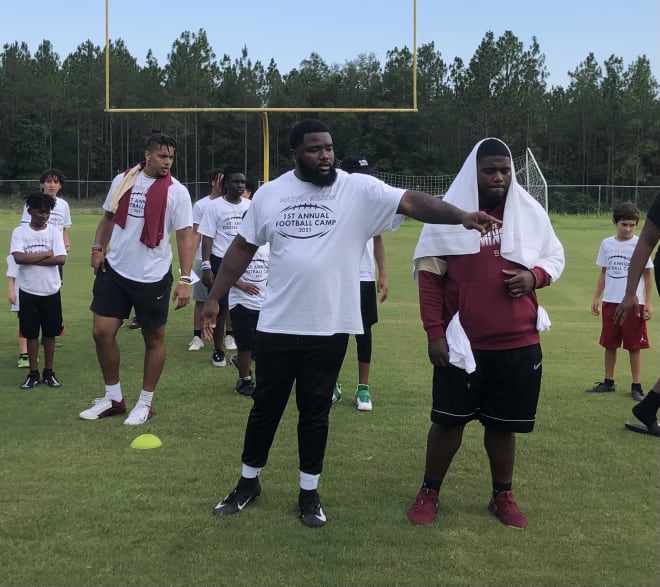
x: 601, y: 387
x: 32, y: 380
x: 637, y: 394
x: 238, y: 499
x: 50, y: 380
x: 245, y: 386
x: 218, y: 358
x: 310, y: 511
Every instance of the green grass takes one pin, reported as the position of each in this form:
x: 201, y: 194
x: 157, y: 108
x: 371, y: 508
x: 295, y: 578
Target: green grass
x: 80, y: 507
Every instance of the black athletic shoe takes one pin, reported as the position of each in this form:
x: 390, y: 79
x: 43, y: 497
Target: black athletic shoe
x: 50, y: 380
x: 637, y: 394
x: 238, y: 499
x: 601, y: 387
x: 32, y: 380
x: 310, y: 511
x: 245, y: 386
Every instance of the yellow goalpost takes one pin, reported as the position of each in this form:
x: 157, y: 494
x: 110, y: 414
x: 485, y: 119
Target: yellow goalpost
x: 263, y: 111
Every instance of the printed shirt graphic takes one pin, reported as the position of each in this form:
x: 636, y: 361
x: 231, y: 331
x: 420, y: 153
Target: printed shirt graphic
x: 39, y: 280
x: 128, y: 256
x: 60, y: 215
x: 615, y: 256
x: 317, y: 236
x: 220, y: 221
x: 256, y: 274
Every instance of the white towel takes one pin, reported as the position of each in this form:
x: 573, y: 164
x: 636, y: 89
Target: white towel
x: 460, y: 350
x: 527, y: 234
x: 542, y: 320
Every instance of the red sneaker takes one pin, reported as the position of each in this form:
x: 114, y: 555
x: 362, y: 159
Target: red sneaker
x: 504, y: 506
x: 423, y: 511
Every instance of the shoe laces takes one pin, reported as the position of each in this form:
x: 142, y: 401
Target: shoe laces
x: 141, y: 411
x: 425, y: 496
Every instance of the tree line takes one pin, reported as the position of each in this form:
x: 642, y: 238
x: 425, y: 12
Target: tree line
x: 603, y: 128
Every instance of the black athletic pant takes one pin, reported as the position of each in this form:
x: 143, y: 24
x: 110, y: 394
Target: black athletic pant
x: 313, y: 362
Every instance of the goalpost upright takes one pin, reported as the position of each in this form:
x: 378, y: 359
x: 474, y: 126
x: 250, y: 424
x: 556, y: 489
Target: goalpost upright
x: 262, y: 110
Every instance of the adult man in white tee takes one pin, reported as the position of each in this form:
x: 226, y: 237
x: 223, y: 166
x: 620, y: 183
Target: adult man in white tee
x: 143, y: 206
x: 317, y: 221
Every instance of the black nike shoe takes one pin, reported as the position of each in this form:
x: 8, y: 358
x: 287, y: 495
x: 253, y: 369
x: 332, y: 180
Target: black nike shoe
x: 310, y: 511
x: 242, y: 495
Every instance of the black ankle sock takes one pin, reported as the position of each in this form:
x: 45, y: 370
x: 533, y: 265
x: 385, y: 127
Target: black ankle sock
x: 636, y: 386
x: 307, y: 494
x: 609, y: 382
x: 431, y: 484
x: 247, y: 482
x: 229, y: 333
x: 197, y: 333
x: 499, y: 487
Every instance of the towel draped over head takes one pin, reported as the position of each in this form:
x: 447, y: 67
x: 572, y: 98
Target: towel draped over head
x: 527, y: 235
x: 155, y: 205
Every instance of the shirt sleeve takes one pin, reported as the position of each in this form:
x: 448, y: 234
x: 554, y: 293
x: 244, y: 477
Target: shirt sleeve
x: 431, y: 303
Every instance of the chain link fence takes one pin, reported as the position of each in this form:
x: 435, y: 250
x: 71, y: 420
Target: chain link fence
x: 563, y: 199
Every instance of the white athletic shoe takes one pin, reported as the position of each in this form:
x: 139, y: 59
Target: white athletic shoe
x: 139, y: 415
x: 102, y: 407
x: 230, y: 343
x: 196, y: 344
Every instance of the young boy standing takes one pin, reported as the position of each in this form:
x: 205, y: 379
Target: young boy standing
x: 38, y: 248
x: 245, y: 300
x: 614, y: 259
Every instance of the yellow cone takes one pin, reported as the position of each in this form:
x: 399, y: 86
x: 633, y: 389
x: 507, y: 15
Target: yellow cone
x: 145, y: 441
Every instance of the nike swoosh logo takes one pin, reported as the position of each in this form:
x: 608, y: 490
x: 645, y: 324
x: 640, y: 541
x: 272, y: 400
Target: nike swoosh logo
x: 241, y: 505
x: 321, y: 515
x: 537, y: 366
x: 160, y: 297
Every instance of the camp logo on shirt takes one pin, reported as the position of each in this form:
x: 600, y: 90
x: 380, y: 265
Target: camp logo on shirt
x: 305, y: 221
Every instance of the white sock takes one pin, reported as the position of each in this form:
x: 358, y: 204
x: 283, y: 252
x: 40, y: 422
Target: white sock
x: 309, y: 482
x: 113, y: 392
x: 145, y: 397
x: 250, y: 472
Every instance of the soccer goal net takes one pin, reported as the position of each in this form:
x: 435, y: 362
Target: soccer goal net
x: 528, y: 174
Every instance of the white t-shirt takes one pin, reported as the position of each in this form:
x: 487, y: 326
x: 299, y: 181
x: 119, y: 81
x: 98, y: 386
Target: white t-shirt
x: 367, y: 263
x: 615, y: 256
x: 256, y: 274
x: 128, y: 256
x: 317, y: 236
x: 199, y: 207
x: 39, y: 280
x: 221, y: 221
x: 12, y: 271
x: 60, y: 215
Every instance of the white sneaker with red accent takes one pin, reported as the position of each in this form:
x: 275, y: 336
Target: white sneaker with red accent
x: 139, y: 414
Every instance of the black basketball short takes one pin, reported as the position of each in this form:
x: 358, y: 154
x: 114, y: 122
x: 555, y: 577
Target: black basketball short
x: 39, y: 313
x: 114, y: 296
x: 502, y: 393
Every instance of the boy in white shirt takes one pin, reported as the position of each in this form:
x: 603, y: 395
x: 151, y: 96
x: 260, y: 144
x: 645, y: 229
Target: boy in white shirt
x: 38, y: 248
x: 614, y: 259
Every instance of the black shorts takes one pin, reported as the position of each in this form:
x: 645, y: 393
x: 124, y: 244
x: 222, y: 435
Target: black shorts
x: 368, y: 303
x: 502, y: 393
x: 244, y: 325
x: 114, y: 296
x: 39, y: 313
x: 223, y: 302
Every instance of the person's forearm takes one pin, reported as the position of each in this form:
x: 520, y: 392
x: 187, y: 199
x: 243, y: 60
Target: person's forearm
x: 207, y: 246
x: 236, y: 259
x: 31, y: 258
x: 185, y: 249
x: 104, y: 231
x: 426, y: 208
